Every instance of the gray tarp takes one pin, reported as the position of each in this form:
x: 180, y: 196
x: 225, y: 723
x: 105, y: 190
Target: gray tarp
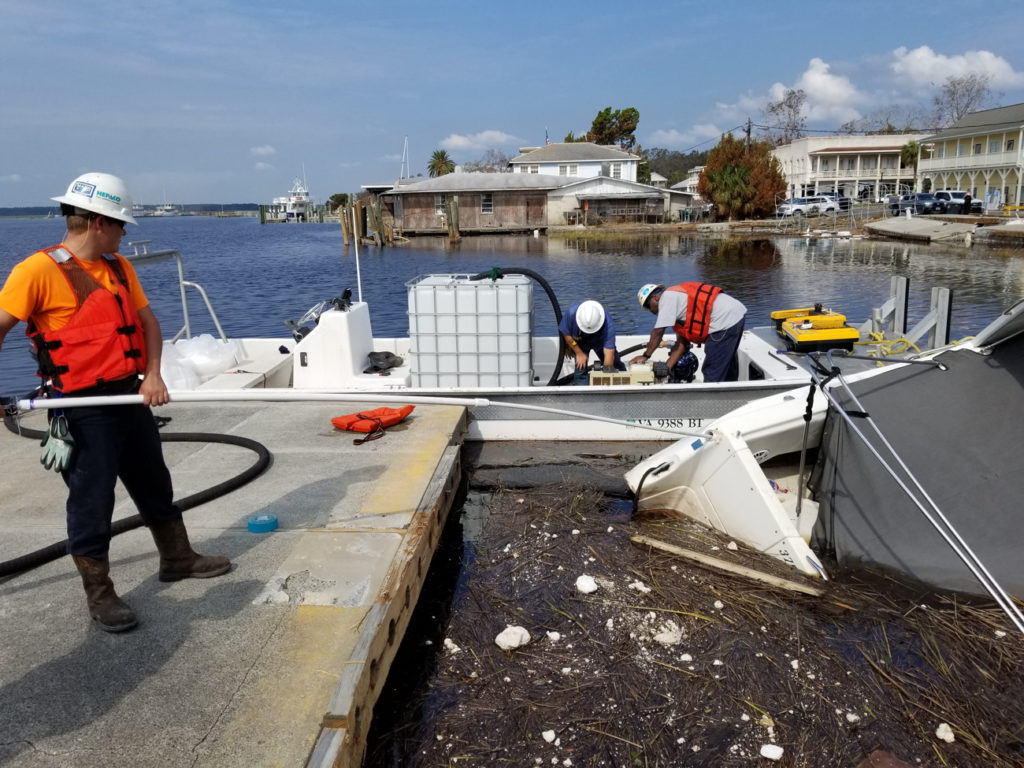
x: 961, y: 433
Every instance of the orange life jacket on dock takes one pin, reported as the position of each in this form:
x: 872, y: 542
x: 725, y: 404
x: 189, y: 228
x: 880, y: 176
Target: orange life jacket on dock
x: 372, y: 422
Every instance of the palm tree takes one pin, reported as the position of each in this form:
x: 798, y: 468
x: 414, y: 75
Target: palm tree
x: 440, y: 164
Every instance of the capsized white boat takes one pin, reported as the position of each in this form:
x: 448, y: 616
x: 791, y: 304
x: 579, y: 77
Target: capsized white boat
x: 912, y: 467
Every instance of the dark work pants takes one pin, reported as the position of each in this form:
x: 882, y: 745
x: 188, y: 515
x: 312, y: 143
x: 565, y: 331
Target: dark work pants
x: 111, y: 442
x: 720, y: 362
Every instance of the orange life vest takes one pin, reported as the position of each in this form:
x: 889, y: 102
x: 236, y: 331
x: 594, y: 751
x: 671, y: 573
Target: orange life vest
x: 370, y: 421
x: 102, y: 342
x: 700, y: 297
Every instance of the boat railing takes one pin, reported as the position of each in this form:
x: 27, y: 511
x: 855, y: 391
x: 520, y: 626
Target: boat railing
x: 142, y: 255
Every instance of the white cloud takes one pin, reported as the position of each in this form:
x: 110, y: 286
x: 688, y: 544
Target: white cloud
x: 831, y: 99
x: 261, y: 166
x: 457, y: 142
x: 264, y: 151
x: 923, y: 66
x: 684, y: 140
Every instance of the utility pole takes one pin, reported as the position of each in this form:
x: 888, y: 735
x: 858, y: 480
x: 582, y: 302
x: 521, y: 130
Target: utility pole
x: 748, y: 134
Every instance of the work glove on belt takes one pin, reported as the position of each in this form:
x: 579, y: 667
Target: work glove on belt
x: 57, y: 446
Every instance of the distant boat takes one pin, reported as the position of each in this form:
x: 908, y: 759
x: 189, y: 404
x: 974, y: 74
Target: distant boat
x: 167, y: 209
x: 294, y: 206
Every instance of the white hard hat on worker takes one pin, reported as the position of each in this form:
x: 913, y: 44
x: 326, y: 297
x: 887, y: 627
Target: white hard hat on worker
x: 99, y: 193
x: 644, y: 294
x: 590, y: 316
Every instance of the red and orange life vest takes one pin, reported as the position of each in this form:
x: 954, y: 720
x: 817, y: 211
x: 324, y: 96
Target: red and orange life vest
x: 700, y: 297
x: 102, y: 342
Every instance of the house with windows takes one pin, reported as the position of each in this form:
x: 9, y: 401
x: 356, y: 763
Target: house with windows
x: 522, y: 202
x: 980, y: 154
x: 576, y: 159
x: 487, y: 202
x: 859, y: 167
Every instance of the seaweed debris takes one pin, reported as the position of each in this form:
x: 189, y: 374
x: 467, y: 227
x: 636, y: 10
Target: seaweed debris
x: 669, y: 663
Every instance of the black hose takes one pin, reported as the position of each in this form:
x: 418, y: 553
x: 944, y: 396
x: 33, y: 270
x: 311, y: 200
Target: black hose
x: 496, y: 273
x: 639, y: 486
x: 59, y: 549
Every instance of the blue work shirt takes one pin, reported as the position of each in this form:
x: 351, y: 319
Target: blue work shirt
x: 603, y: 338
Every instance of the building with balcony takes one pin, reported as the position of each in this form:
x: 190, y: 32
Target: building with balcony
x: 980, y: 154
x: 864, y: 167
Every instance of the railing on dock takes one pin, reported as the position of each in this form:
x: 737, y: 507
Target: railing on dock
x: 142, y: 255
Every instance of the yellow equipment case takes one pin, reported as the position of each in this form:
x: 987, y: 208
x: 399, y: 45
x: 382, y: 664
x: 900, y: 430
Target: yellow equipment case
x: 812, y: 329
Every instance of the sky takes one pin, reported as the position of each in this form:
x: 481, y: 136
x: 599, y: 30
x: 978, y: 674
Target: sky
x: 222, y: 101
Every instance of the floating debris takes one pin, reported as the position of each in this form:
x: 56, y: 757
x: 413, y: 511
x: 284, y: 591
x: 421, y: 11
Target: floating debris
x: 821, y: 677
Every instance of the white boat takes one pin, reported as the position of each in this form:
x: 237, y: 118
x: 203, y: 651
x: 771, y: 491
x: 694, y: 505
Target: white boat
x: 295, y: 206
x: 912, y: 468
x: 472, y: 341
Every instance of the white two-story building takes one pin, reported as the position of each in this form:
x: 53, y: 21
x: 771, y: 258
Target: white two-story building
x: 864, y: 167
x: 577, y: 159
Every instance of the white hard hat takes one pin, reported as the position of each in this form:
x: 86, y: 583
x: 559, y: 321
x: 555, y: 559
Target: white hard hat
x: 99, y: 193
x: 590, y: 316
x: 645, y: 293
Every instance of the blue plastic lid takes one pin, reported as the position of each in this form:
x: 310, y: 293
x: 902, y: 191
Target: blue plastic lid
x: 262, y: 523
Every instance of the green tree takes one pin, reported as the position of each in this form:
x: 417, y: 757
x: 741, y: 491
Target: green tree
x: 440, y: 164
x: 612, y: 127
x: 337, y: 200
x: 742, y: 181
x: 909, y: 153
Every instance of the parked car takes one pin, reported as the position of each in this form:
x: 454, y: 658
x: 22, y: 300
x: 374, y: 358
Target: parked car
x: 840, y: 200
x: 807, y: 206
x: 918, y: 202
x: 953, y: 199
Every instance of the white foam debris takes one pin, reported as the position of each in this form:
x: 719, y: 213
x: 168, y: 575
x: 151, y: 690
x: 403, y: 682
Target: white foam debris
x: 586, y: 584
x: 512, y: 637
x: 450, y: 646
x: 567, y: 763
x: 945, y: 733
x: 719, y: 604
x: 610, y: 529
x: 745, y: 717
x: 795, y: 663
x: 717, y: 663
x: 686, y: 657
x: 852, y: 717
x: 639, y: 586
x: 669, y: 634
x: 610, y: 624
x: 771, y: 751
x: 566, y: 670
x: 549, y: 736
x: 520, y: 501
x: 575, y: 531
x: 1000, y: 633
x: 732, y: 545
x: 554, y: 637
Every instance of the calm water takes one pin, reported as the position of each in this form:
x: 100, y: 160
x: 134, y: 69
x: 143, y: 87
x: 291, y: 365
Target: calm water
x: 259, y: 276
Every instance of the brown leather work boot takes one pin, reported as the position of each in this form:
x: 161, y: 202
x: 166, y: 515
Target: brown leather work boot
x: 178, y: 560
x: 106, y: 608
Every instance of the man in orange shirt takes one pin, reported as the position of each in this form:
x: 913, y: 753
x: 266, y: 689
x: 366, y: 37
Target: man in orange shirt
x: 95, y: 334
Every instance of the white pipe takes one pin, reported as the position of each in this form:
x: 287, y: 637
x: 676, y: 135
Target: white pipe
x: 355, y: 242
x: 291, y: 395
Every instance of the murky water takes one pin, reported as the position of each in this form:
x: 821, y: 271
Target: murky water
x: 259, y: 276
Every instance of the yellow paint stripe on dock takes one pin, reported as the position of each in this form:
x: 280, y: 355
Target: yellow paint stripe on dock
x: 432, y: 431
x: 282, y: 701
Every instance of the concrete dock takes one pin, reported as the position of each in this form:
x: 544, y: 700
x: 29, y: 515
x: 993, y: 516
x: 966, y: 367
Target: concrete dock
x: 278, y: 662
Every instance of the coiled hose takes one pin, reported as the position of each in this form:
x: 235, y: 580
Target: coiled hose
x: 59, y: 549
